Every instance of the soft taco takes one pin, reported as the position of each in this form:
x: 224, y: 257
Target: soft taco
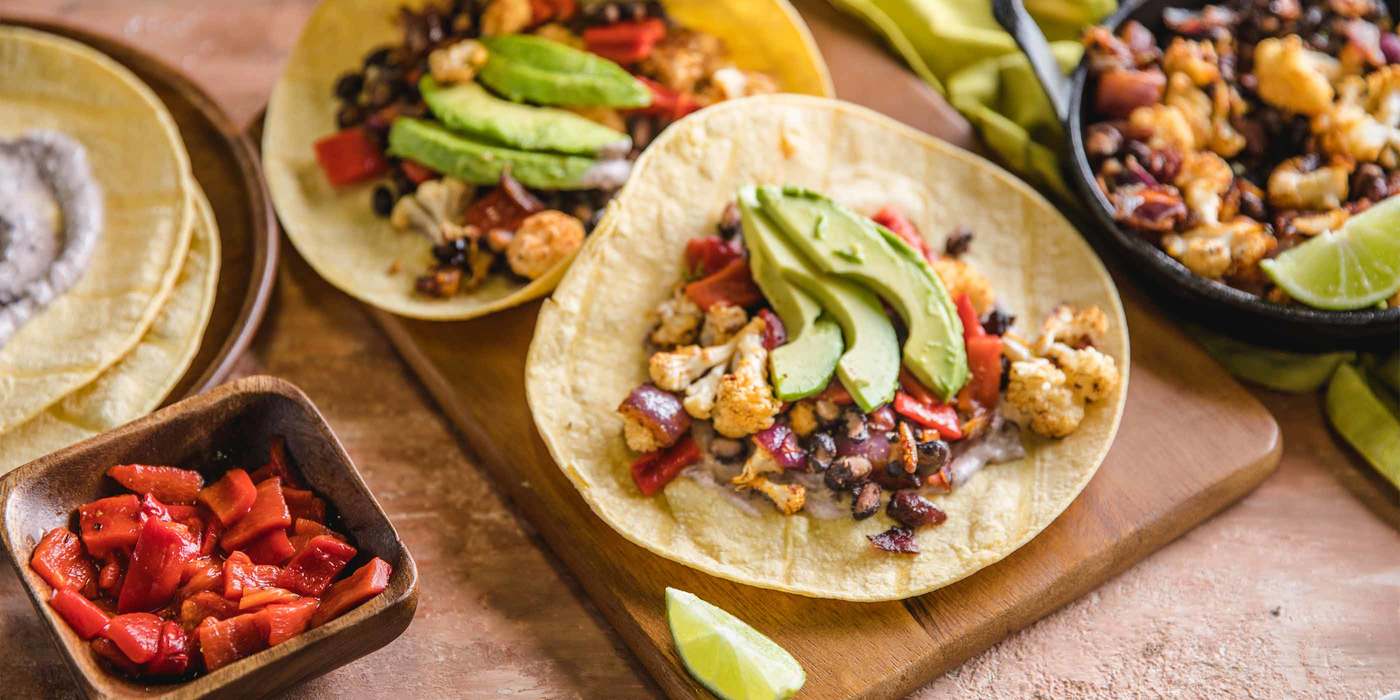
x: 814, y: 350
x: 445, y: 159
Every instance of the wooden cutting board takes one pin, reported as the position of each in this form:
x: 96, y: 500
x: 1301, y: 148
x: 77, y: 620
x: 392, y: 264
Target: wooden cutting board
x: 1192, y: 441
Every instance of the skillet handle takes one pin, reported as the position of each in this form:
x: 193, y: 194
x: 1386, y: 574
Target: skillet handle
x: 1012, y: 16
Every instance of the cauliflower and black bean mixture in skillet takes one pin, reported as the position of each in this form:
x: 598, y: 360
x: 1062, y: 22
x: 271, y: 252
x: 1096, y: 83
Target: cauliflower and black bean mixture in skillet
x: 776, y: 372
x: 504, y: 126
x: 1249, y: 127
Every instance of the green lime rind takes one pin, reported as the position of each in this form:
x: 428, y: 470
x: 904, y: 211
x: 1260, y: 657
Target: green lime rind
x: 1353, y: 268
x: 731, y: 659
x: 1367, y: 418
x: 1280, y: 370
x: 1389, y: 372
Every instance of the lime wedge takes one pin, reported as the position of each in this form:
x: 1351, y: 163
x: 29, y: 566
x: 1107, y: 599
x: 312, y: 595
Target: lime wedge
x: 1360, y: 413
x: 1353, y: 268
x: 727, y: 656
x: 1280, y: 370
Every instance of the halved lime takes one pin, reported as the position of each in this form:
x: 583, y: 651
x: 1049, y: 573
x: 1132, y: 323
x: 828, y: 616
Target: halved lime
x: 1366, y: 415
x: 727, y: 656
x: 1352, y: 268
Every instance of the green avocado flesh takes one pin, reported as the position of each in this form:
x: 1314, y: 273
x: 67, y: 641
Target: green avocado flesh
x: 529, y: 68
x: 803, y: 366
x: 842, y: 243
x: 472, y: 111
x: 869, y: 367
x: 481, y: 163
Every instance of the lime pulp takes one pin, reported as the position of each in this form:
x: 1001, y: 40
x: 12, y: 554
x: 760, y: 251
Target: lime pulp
x: 733, y: 660
x: 1352, y: 268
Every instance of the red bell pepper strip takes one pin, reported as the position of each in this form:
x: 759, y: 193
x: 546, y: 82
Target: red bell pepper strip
x: 653, y: 470
x: 157, y: 564
x: 625, y: 42
x: 270, y: 548
x: 169, y: 484
x: 203, y: 605
x: 241, y: 574
x: 86, y: 619
x: 303, y: 526
x: 972, y: 326
x: 836, y: 393
x: 893, y: 219
x: 202, y: 574
x: 282, y: 622
x: 911, y: 385
x: 137, y: 635
x: 304, y: 504
x: 706, y: 255
x: 209, y: 542
x: 278, y: 466
x: 365, y: 583
x: 109, y: 578
x: 733, y: 284
x: 107, y: 651
x: 231, y: 497
x: 350, y: 156
x: 59, y: 560
x: 984, y: 359
x: 223, y: 642
x: 774, y: 332
x: 665, y: 102
x: 938, y: 416
x: 261, y: 597
x: 417, y: 172
x: 315, y: 566
x: 269, y: 512
x: 110, y: 524
x: 173, y: 656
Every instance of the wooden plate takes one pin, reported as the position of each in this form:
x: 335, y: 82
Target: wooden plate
x: 227, y: 167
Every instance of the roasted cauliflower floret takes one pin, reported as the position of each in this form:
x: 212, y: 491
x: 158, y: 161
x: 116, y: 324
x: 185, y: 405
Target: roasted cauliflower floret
x: 700, y: 396
x: 678, y: 320
x: 1075, y: 328
x: 1194, y: 105
x: 760, y: 462
x: 1215, y: 250
x: 457, y: 63
x: 433, y: 210
x: 506, y: 17
x: 543, y: 240
x: 1224, y: 138
x: 1292, y: 77
x: 722, y: 321
x: 684, y: 59
x: 1092, y: 375
x: 1362, y: 125
x: 676, y: 370
x: 1166, y: 125
x: 1293, y: 187
x: 1196, y: 60
x: 788, y: 498
x: 960, y: 278
x: 803, y: 418
x: 1038, y: 394
x: 745, y: 403
x: 1204, y: 179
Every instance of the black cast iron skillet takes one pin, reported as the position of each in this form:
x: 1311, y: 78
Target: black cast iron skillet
x: 1219, y: 306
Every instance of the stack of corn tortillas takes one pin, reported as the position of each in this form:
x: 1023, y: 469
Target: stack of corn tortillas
x: 115, y: 340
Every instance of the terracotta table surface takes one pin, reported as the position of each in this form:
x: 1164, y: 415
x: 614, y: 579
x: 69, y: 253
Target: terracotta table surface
x: 1294, y: 592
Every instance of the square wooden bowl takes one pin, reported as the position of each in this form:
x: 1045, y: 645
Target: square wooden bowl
x: 232, y: 425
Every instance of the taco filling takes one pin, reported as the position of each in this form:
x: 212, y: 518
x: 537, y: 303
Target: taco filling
x: 815, y: 360
x: 501, y: 128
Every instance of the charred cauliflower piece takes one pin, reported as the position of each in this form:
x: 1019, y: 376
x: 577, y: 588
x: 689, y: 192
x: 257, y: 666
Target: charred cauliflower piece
x: 433, y: 210
x: 1291, y: 186
x: 745, y: 403
x: 678, y: 319
x: 678, y: 369
x: 1038, y: 394
x: 1196, y: 60
x: 1092, y: 375
x: 1065, y: 325
x: 1216, y: 250
x: 700, y: 396
x: 506, y: 17
x: 959, y: 278
x: 457, y: 63
x: 1364, y: 124
x: 788, y: 498
x: 543, y: 240
x: 1204, y: 179
x: 722, y: 321
x: 1167, y: 125
x: 1294, y: 78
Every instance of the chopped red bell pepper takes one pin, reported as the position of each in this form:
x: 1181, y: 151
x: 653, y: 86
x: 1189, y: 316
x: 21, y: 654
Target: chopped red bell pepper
x: 497, y: 209
x: 169, y: 484
x: 203, y: 605
x: 625, y: 42
x: 157, y: 564
x: 109, y: 524
x: 231, y: 497
x: 189, y: 516
x: 417, y: 172
x: 282, y: 622
x: 774, y: 332
x: 173, y: 656
x: 109, y: 652
x: 209, y: 543
x: 304, y: 504
x: 972, y: 326
x: 60, y: 560
x: 893, y: 219
x: 273, y: 547
x: 732, y: 284
x: 86, y: 619
x: 542, y: 11
x: 938, y: 416
x: 984, y: 360
x: 278, y: 466
x: 223, y: 642
x: 365, y: 583
x: 706, y: 255
x: 269, y: 512
x: 241, y: 574
x: 315, y: 566
x: 667, y: 103
x: 303, y: 526
x: 202, y: 574
x: 350, y: 156
x: 109, y: 578
x: 260, y: 597
x: 653, y: 470
x: 912, y: 386
x: 836, y: 393
x: 137, y: 635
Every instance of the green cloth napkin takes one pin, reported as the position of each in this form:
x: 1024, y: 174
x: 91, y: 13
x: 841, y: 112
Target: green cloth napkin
x: 957, y: 47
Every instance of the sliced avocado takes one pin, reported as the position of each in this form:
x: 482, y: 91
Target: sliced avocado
x: 841, y: 242
x: 481, y: 163
x: 803, y: 366
x: 869, y: 367
x: 469, y: 109
x: 529, y: 68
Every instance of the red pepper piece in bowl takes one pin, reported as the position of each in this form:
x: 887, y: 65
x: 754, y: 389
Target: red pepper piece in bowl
x: 286, y: 620
x: 231, y: 497
x: 169, y: 484
x: 137, y: 635
x: 278, y: 466
x: 173, y: 656
x: 203, y: 605
x: 269, y: 512
x: 304, y: 504
x: 241, y: 574
x: 110, y: 524
x: 223, y: 642
x: 59, y: 560
x: 315, y: 566
x: 367, y: 582
x: 270, y: 548
x: 203, y: 574
x: 261, y: 597
x: 162, y: 550
x: 86, y: 619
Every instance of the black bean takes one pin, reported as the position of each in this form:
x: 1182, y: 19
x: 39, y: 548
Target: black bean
x: 821, y: 451
x: 347, y: 87
x: 912, y: 510
x: 730, y: 224
x: 382, y: 200
x: 867, y: 501
x: 348, y: 116
x: 847, y: 472
x: 855, y: 425
x: 381, y: 56
x: 958, y: 242
x: 934, y: 455
x: 1103, y: 140
x: 1369, y: 182
x: 998, y: 321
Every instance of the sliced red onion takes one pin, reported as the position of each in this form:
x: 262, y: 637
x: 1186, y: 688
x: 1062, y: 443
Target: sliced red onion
x: 1121, y: 91
x: 774, y: 332
x: 660, y: 411
x: 899, y: 540
x: 781, y: 444
x: 876, y: 448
